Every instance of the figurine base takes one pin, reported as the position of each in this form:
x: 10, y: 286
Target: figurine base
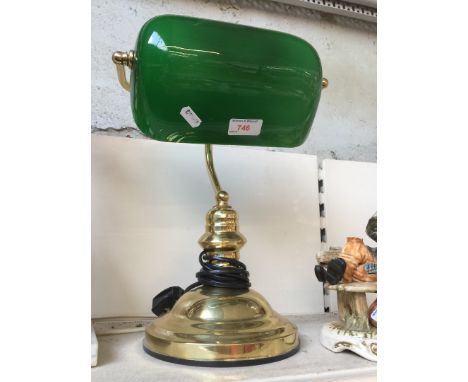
x: 221, y: 327
x: 336, y: 338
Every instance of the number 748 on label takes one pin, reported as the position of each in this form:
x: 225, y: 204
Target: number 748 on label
x: 245, y: 126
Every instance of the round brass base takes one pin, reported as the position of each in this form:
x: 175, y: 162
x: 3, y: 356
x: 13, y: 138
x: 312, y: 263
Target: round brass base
x: 221, y: 327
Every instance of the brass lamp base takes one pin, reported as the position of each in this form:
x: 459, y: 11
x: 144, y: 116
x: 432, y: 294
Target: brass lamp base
x: 222, y: 325
x: 211, y: 326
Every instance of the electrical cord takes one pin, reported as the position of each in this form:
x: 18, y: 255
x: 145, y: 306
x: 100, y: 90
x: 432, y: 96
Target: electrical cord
x: 234, y: 276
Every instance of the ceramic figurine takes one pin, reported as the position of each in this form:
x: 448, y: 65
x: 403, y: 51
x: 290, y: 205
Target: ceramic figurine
x: 351, y: 272
x: 373, y: 313
x: 357, y: 262
x: 371, y: 230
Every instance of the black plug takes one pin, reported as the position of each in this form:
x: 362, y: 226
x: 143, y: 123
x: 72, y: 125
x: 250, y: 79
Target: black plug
x: 164, y: 301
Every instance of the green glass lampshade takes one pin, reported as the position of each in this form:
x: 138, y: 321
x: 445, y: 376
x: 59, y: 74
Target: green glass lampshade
x: 210, y: 82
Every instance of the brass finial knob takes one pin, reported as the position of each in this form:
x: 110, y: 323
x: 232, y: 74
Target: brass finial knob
x: 124, y: 58
x: 222, y: 196
x: 324, y: 83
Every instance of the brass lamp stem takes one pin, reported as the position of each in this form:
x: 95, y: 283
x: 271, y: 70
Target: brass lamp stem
x: 211, y: 169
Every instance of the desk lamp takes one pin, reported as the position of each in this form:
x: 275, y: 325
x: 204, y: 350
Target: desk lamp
x: 209, y: 82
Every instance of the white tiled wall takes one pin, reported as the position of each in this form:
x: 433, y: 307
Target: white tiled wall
x: 350, y: 198
x: 149, y: 201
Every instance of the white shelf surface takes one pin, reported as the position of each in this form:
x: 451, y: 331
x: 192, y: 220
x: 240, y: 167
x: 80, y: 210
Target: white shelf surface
x: 121, y: 358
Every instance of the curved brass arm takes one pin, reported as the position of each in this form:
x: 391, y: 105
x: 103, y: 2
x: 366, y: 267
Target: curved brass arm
x: 211, y: 169
x: 121, y: 60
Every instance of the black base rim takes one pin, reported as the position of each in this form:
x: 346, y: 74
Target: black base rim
x: 250, y: 362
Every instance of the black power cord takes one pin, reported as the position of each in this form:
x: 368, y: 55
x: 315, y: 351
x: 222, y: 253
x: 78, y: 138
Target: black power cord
x: 234, y: 276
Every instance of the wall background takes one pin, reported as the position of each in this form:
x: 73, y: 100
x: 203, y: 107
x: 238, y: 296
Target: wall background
x: 345, y: 125
x: 146, y: 228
